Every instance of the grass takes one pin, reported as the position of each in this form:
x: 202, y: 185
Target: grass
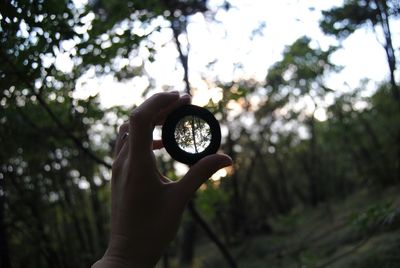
x: 360, y: 232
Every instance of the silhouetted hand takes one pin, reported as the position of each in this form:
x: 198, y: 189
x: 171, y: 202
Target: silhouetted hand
x: 146, y: 206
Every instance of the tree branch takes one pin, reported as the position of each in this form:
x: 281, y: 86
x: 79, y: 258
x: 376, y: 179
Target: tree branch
x: 203, y: 224
x: 183, y: 58
x: 53, y: 116
x: 191, y: 207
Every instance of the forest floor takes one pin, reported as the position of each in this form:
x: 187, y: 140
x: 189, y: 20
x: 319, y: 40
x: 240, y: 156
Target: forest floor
x: 362, y: 231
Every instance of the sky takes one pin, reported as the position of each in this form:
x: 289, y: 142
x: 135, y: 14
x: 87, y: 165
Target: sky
x: 228, y: 40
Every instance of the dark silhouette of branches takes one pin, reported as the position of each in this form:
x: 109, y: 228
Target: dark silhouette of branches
x: 183, y: 58
x: 191, y: 207
x: 196, y: 216
x: 4, y: 251
x: 53, y: 116
x: 203, y: 224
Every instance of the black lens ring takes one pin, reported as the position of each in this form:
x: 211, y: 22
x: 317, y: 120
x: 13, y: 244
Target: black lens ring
x: 168, y: 133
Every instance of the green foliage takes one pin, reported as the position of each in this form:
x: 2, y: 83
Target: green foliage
x: 301, y: 65
x: 192, y: 134
x: 343, y: 21
x: 211, y: 201
x: 278, y: 204
x: 56, y: 148
x: 377, y: 217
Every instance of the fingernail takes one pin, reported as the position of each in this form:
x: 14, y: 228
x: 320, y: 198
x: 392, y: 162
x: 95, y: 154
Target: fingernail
x: 226, y: 161
x: 186, y: 96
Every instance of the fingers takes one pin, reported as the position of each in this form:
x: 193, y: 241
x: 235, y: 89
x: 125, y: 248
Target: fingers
x: 185, y: 99
x: 123, y: 134
x: 123, y: 129
x: 201, y: 171
x: 122, y: 153
x: 158, y: 144
x: 143, y: 120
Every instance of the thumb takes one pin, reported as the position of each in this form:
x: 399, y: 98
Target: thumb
x: 201, y: 171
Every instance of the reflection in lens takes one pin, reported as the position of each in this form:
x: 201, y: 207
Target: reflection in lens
x: 192, y: 134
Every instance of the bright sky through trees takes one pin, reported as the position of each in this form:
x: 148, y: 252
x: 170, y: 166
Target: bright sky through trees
x: 242, y: 42
x: 306, y: 143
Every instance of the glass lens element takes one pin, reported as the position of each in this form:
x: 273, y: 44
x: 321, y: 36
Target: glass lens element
x: 192, y: 134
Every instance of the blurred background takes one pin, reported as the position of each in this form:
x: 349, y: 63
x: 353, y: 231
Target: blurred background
x: 307, y: 94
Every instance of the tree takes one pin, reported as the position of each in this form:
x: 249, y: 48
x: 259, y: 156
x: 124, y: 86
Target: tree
x: 298, y: 76
x: 345, y: 20
x: 62, y: 176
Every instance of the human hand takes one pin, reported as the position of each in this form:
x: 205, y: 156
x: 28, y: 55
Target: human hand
x: 146, y: 206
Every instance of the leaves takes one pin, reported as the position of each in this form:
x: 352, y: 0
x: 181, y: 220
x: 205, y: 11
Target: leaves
x: 286, y: 157
x: 343, y: 21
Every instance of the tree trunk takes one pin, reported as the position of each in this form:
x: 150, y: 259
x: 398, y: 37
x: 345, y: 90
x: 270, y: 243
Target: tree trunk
x: 312, y: 168
x: 199, y: 220
x: 188, y: 243
x: 390, y: 53
x: 282, y: 182
x: 236, y: 206
x: 4, y: 252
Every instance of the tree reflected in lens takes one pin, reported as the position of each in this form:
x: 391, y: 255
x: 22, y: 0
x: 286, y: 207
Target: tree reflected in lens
x: 192, y: 134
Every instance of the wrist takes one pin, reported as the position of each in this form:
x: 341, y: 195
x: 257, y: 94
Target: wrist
x: 108, y: 262
x: 123, y: 253
x: 115, y: 262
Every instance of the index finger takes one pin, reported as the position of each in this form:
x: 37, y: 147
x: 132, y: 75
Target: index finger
x: 143, y: 120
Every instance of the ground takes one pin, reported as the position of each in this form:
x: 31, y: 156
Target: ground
x: 362, y: 231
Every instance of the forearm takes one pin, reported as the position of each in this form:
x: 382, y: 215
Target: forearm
x: 121, y: 253
x: 109, y: 262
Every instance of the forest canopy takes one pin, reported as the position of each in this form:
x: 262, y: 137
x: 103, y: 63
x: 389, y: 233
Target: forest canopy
x: 304, y: 190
